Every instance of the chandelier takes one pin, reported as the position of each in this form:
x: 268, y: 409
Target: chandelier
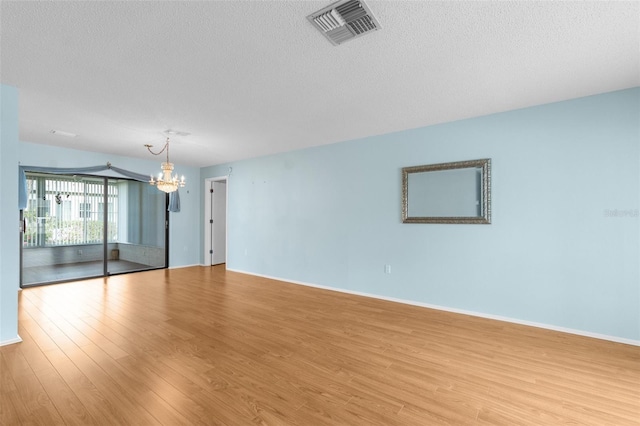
x: 165, y: 181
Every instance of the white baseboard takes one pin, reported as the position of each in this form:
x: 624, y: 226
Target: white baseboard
x: 17, y: 339
x: 184, y: 266
x: 457, y: 311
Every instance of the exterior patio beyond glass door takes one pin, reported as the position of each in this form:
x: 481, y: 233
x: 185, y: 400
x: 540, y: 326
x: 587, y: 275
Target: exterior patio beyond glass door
x: 137, y: 227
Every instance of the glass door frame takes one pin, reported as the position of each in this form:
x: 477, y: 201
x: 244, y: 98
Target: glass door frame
x: 105, y: 239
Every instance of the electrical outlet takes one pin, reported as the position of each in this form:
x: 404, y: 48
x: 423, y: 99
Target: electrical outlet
x: 387, y: 269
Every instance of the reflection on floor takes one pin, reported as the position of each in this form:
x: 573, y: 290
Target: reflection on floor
x: 71, y: 271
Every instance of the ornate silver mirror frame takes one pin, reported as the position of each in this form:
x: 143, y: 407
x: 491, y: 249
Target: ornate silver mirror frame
x: 458, y: 192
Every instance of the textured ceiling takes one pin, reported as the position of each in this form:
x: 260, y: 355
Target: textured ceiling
x: 250, y: 78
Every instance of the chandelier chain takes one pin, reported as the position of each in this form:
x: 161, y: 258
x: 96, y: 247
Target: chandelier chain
x: 164, y: 148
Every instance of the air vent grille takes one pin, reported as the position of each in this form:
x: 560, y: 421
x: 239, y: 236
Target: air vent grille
x: 329, y: 21
x: 362, y: 25
x: 344, y: 20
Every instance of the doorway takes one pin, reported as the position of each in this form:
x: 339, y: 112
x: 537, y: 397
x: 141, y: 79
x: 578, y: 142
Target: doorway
x: 215, y: 224
x: 82, y: 226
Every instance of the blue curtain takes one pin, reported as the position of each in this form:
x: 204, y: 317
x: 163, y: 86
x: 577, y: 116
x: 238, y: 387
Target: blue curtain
x: 174, y: 197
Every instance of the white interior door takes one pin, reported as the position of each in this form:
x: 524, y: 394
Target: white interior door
x: 215, y: 221
x: 219, y: 225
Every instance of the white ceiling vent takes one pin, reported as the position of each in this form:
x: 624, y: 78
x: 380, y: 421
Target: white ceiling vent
x: 344, y: 20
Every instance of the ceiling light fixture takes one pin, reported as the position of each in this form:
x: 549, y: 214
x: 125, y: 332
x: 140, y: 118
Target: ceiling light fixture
x: 165, y: 181
x: 172, y: 132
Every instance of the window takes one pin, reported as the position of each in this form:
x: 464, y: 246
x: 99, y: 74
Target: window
x: 68, y: 210
x: 85, y: 210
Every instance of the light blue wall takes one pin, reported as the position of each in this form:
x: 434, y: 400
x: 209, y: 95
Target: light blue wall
x: 563, y: 248
x: 9, y: 215
x: 184, y: 225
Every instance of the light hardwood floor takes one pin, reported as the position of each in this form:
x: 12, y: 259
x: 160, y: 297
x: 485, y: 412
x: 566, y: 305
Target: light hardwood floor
x: 206, y: 346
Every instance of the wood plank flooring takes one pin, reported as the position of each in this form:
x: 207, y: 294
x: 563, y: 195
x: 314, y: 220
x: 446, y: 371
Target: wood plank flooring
x: 205, y: 346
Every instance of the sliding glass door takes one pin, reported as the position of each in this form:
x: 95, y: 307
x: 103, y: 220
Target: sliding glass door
x: 90, y: 226
x: 137, y: 225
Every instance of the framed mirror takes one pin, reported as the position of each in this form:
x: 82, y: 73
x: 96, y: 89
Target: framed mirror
x: 458, y: 192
